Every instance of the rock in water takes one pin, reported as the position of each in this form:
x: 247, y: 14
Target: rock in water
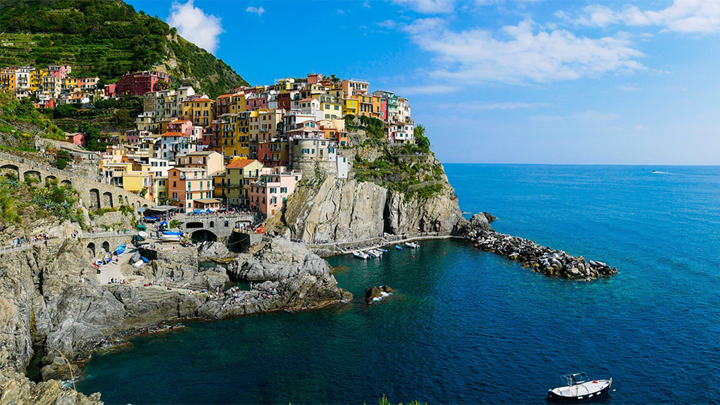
x: 480, y: 221
x: 374, y: 293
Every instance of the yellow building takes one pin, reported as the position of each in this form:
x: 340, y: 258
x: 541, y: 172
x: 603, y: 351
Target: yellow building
x: 70, y: 84
x: 220, y: 190
x: 237, y: 103
x: 36, y: 79
x: 242, y: 134
x: 351, y: 106
x: 201, y: 111
x: 7, y: 79
x: 237, y: 175
x: 365, y: 106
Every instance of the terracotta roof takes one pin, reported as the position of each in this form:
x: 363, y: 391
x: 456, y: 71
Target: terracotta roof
x: 169, y: 134
x: 240, y: 163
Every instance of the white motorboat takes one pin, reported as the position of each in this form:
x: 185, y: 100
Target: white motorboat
x: 361, y: 255
x: 412, y: 245
x: 579, y: 388
x: 374, y: 253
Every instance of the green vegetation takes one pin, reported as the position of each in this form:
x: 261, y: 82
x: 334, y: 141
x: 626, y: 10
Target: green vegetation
x: 106, y: 115
x: 62, y: 157
x: 409, y: 169
x: 107, y: 38
x: 52, y: 200
x: 16, y: 114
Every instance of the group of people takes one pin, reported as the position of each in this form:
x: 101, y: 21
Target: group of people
x: 17, y: 242
x: 118, y: 281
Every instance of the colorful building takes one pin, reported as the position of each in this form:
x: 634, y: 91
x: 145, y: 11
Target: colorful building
x: 187, y: 185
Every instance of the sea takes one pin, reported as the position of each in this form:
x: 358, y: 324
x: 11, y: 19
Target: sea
x: 470, y: 327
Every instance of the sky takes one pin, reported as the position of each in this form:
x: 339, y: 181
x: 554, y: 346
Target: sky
x: 497, y: 81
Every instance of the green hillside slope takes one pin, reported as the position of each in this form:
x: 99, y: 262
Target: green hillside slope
x: 107, y: 38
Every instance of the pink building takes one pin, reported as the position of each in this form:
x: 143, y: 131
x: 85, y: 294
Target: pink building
x: 269, y: 192
x: 181, y: 125
x: 255, y: 102
x: 139, y: 83
x: 110, y: 90
x: 76, y: 139
x: 314, y: 78
x: 59, y: 71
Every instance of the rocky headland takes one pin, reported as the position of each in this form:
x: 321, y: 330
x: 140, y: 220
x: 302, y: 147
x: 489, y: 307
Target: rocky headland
x: 52, y: 302
x: 548, y: 261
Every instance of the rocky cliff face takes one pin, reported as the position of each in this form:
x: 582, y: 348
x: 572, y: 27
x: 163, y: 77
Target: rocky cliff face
x: 50, y: 299
x: 346, y: 210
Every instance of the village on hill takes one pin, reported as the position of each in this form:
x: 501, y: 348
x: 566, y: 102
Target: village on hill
x: 245, y: 149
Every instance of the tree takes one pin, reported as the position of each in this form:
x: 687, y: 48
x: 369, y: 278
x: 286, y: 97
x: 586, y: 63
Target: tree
x: 420, y: 139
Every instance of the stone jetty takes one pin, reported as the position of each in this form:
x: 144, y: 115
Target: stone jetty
x: 548, y: 261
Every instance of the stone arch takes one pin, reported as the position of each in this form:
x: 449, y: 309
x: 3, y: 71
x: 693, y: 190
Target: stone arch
x: 32, y: 174
x: 127, y: 200
x: 106, y: 246
x: 91, y: 249
x: 194, y: 225
x: 202, y: 235
x: 212, y: 224
x: 144, y: 205
x: 49, y: 178
x: 94, y: 198
x: 66, y: 183
x: 11, y: 170
x: 107, y: 199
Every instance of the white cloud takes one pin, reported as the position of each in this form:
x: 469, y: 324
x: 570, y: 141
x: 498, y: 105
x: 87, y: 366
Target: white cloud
x: 366, y: 4
x: 626, y: 88
x: 428, y: 6
x: 194, y: 25
x: 639, y: 128
x: 701, y: 16
x: 492, y: 106
x: 520, y: 54
x: 256, y: 10
x: 429, y: 89
x: 338, y: 11
x: 389, y: 24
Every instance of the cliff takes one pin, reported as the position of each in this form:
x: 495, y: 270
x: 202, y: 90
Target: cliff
x: 394, y: 189
x: 51, y: 301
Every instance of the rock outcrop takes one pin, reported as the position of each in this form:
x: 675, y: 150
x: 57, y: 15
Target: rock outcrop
x: 50, y: 299
x: 543, y: 259
x: 373, y: 294
x: 348, y: 210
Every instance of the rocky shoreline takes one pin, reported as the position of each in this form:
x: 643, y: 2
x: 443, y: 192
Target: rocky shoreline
x: 51, y: 300
x: 542, y: 259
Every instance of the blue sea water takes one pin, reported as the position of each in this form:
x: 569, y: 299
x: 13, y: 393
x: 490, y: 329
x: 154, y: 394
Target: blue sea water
x: 467, y: 326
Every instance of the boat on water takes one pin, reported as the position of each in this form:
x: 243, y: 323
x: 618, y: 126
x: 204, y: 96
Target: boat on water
x: 382, y: 250
x: 398, y: 247
x: 580, y: 388
x: 361, y: 255
x: 412, y: 245
x: 374, y: 253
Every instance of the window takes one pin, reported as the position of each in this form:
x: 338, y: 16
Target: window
x: 283, y: 190
x: 174, y: 183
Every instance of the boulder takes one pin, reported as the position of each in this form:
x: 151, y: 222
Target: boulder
x: 479, y: 221
x: 377, y: 293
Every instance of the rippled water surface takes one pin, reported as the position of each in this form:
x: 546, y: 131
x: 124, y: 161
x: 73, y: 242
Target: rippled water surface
x: 471, y: 327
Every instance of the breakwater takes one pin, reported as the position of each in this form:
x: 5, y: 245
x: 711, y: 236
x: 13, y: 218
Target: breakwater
x: 548, y: 261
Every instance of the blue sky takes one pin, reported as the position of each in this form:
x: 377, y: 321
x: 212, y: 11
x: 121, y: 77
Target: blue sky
x: 497, y: 81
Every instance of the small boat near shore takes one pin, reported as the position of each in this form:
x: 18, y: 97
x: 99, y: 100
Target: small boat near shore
x: 374, y: 253
x: 398, y: 247
x: 412, y: 245
x: 361, y: 255
x: 580, y: 388
x: 382, y: 250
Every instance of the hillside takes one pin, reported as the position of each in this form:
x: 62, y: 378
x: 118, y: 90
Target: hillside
x: 107, y: 38
x: 398, y: 190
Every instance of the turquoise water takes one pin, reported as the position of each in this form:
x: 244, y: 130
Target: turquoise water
x: 470, y: 327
